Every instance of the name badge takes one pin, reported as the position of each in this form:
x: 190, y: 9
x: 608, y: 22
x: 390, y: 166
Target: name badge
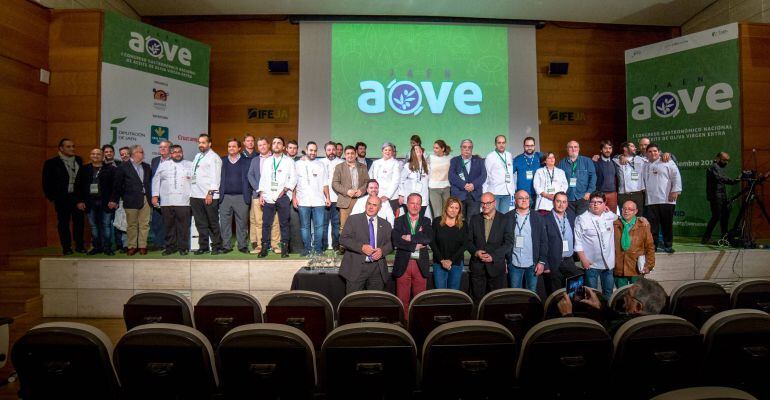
x: 572, y: 182
x: 530, y: 175
x: 634, y: 176
x: 415, y: 255
x: 461, y: 175
x: 274, y: 186
x: 417, y: 187
x: 94, y: 188
x: 507, y: 177
x: 564, y: 246
x: 192, y: 181
x: 550, y: 189
x: 519, y: 242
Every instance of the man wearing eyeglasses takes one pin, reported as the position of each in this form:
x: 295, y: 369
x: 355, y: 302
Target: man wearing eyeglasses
x: 595, y: 243
x: 634, y: 246
x: 490, y: 239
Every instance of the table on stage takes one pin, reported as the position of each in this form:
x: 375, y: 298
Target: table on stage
x: 328, y: 282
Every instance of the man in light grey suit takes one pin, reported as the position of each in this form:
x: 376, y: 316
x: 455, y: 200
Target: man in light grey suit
x: 366, y: 239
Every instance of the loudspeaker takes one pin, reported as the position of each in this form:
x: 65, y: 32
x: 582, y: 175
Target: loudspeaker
x: 278, y: 67
x: 557, y: 68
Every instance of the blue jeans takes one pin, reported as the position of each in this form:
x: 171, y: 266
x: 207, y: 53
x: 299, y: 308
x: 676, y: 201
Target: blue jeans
x: 332, y: 216
x: 318, y: 217
x: 593, y: 276
x: 523, y: 278
x: 443, y: 279
x: 100, y: 220
x: 503, y: 203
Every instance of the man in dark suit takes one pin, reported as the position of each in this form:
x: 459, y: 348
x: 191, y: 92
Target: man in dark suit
x: 366, y: 239
x: 59, y: 175
x: 467, y: 174
x: 560, y: 228
x: 156, y: 218
x: 490, y: 239
x: 530, y: 244
x: 133, y: 181
x: 411, y: 237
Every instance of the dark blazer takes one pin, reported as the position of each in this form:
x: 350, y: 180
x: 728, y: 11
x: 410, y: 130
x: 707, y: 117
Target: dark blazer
x: 155, y: 163
x: 244, y: 164
x: 356, y: 234
x: 539, y: 235
x: 499, y: 245
x: 477, y: 177
x: 404, y: 249
x: 600, y: 174
x: 553, y: 232
x: 128, y: 186
x: 56, y: 179
x: 83, y: 184
x: 254, y: 174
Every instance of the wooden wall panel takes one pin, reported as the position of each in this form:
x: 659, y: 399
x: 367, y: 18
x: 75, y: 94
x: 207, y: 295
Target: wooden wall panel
x: 23, y: 102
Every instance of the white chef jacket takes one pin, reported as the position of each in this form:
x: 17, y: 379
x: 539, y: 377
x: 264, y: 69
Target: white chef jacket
x: 595, y: 237
x: 282, y: 170
x: 385, y: 213
x: 661, y: 179
x: 172, y: 183
x: 496, y: 174
x: 312, y: 177
x: 206, y: 174
x: 330, y: 165
x: 388, y: 175
x: 414, y: 182
x: 550, y: 183
x: 630, y: 175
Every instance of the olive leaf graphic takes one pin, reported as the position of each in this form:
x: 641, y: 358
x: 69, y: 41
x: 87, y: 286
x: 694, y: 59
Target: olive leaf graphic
x: 117, y: 120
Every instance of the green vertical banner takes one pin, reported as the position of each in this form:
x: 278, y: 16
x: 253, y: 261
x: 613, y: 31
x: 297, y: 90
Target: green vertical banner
x: 684, y: 94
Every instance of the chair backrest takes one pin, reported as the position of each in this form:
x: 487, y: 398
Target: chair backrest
x: 370, y: 306
x: 582, y: 310
x: 705, y: 393
x: 737, y: 351
x: 751, y: 293
x: 617, y: 301
x: 65, y: 360
x: 664, y: 349
x: 307, y: 311
x: 435, y: 307
x: 516, y: 309
x: 267, y: 361
x: 165, y: 361
x: 374, y: 358
x: 697, y: 301
x: 576, y: 350
x: 469, y: 359
x: 217, y: 312
x: 158, y: 306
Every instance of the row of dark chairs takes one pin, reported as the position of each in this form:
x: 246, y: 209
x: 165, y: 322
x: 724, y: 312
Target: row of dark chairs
x: 517, y: 309
x: 558, y: 358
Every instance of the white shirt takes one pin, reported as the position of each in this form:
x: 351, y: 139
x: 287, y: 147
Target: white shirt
x: 206, y: 174
x: 549, y: 182
x: 388, y: 174
x: 661, y: 179
x: 330, y: 165
x: 278, y: 173
x: 172, y: 183
x: 385, y: 213
x: 414, y: 182
x: 500, y: 180
x: 312, y: 177
x: 630, y: 175
x: 439, y: 171
x: 595, y: 237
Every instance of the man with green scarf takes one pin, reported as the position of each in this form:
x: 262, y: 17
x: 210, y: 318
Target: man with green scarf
x: 634, y: 247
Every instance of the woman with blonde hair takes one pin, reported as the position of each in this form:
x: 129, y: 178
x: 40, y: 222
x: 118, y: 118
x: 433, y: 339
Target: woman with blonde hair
x: 448, y: 245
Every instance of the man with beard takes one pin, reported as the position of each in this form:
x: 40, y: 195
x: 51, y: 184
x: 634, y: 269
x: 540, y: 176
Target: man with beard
x: 206, y: 177
x: 171, y: 192
x: 524, y: 166
x: 716, y: 179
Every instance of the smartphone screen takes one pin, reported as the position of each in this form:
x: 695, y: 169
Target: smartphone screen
x: 574, y: 286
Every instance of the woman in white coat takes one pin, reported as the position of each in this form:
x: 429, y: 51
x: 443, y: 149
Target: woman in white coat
x: 414, y: 178
x: 548, y: 181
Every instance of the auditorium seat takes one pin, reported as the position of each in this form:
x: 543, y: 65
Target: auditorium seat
x: 217, y: 312
x: 617, y: 300
x: 65, y: 360
x: 737, y: 348
x: 370, y: 306
x: 165, y: 361
x: 567, y: 358
x: 469, y: 359
x: 516, y: 309
x: 751, y: 293
x: 578, y: 309
x: 369, y: 360
x: 158, y: 306
x: 307, y: 311
x: 663, y: 349
x: 706, y: 393
x: 697, y: 301
x: 431, y: 308
x: 266, y: 361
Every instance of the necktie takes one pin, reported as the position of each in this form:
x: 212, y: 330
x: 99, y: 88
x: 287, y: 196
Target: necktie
x: 371, y: 236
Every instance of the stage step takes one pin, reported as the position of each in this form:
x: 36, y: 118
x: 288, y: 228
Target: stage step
x: 12, y: 278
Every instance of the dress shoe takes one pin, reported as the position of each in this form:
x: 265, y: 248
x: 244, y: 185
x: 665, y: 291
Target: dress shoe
x: 669, y: 250
x: 255, y: 250
x: 67, y: 252
x: 284, y: 250
x: 262, y: 253
x: 81, y: 250
x: 201, y: 251
x: 244, y: 250
x: 109, y: 253
x: 93, y: 252
x: 167, y: 252
x: 124, y: 250
x: 225, y: 251
x: 183, y: 252
x: 216, y: 252
x: 131, y: 251
x: 143, y: 251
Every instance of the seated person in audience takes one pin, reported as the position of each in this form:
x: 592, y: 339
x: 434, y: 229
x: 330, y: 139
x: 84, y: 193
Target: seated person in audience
x: 490, y: 239
x: 411, y: 236
x: 373, y: 189
x: 645, y: 297
x: 634, y: 246
x: 366, y: 239
x: 448, y: 245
